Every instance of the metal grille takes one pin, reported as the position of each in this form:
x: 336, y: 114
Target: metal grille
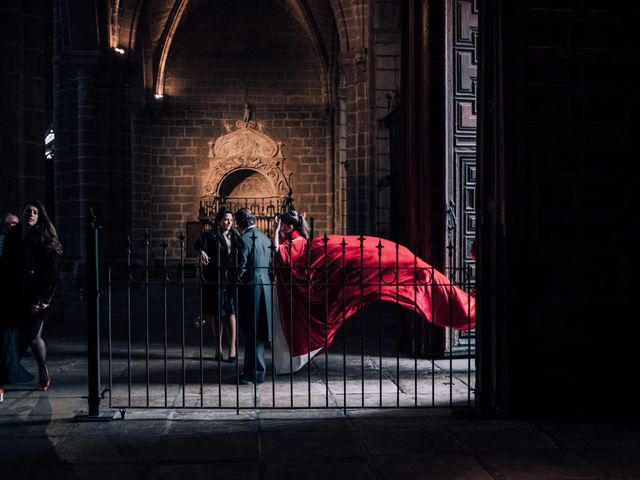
x: 159, y: 354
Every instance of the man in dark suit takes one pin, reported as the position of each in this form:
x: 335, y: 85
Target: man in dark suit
x: 255, y: 296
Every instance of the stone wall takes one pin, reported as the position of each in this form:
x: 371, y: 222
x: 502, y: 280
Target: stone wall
x: 239, y: 52
x: 23, y: 97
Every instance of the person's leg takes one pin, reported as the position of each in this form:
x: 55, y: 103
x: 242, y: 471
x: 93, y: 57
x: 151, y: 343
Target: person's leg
x: 261, y: 363
x: 38, y: 346
x: 248, y: 368
x: 232, y: 335
x: 39, y: 350
x: 229, y: 315
x: 3, y: 368
x: 255, y: 365
x: 216, y: 329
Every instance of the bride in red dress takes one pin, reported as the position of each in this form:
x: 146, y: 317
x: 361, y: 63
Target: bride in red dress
x: 325, y: 280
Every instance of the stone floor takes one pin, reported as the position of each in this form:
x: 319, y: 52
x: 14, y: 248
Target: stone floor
x: 40, y: 438
x: 365, y: 368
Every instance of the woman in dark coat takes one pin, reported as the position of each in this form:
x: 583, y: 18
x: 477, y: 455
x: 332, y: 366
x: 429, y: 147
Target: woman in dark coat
x: 218, y: 255
x: 28, y: 279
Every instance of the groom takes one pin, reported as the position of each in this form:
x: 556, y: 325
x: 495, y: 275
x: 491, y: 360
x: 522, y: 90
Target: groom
x: 254, y: 305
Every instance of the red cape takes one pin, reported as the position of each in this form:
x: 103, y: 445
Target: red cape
x: 322, y: 283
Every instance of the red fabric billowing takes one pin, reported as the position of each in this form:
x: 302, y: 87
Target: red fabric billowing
x: 318, y: 292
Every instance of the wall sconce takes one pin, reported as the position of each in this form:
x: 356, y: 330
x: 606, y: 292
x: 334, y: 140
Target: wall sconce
x: 119, y: 50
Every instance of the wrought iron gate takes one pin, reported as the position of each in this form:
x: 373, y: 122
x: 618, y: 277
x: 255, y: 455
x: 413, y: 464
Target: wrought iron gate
x: 159, y: 354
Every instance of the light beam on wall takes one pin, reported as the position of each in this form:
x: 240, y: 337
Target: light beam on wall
x: 49, y: 137
x: 114, y: 25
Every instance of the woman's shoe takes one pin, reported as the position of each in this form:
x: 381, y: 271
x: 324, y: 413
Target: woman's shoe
x: 231, y: 359
x: 218, y: 357
x: 45, y: 380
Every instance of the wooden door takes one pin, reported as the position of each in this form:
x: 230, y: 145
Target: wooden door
x: 461, y: 103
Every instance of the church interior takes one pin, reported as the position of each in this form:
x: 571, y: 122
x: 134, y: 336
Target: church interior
x: 490, y: 135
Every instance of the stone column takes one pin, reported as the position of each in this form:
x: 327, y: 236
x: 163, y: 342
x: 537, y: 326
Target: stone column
x: 360, y: 208
x: 422, y: 155
x: 22, y: 103
x: 93, y: 152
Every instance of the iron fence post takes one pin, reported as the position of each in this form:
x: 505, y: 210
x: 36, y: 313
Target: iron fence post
x: 93, y: 316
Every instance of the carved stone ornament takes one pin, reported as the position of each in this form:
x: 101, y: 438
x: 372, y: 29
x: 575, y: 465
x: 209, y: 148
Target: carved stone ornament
x: 245, y: 148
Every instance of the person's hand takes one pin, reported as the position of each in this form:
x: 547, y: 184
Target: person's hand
x: 204, y: 258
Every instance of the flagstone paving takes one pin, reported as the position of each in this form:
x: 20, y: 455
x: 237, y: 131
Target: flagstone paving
x: 39, y: 437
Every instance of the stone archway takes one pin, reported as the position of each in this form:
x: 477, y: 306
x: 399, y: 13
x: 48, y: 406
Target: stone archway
x: 246, y: 169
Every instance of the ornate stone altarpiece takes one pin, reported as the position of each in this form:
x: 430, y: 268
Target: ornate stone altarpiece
x: 246, y: 169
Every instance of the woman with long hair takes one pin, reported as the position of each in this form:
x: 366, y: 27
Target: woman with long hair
x: 28, y: 281
x: 324, y: 281
x: 218, y: 253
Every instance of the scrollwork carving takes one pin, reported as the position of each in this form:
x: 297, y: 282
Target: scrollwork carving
x: 246, y: 147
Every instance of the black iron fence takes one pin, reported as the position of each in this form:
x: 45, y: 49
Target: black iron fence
x: 333, y: 343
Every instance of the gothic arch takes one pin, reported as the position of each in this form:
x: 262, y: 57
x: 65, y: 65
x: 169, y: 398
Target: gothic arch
x: 341, y: 24
x: 298, y: 9
x: 123, y: 19
x: 164, y: 47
